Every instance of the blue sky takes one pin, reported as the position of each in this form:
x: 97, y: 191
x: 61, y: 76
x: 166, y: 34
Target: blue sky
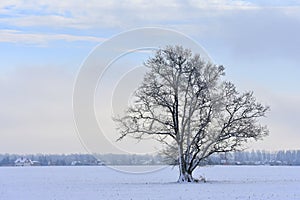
x: 43, y: 44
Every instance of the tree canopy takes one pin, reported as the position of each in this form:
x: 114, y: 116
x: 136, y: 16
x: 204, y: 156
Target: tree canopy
x: 184, y: 103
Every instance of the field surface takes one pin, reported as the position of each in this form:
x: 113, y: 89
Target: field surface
x: 223, y: 182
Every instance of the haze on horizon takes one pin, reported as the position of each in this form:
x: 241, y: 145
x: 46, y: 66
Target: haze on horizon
x: 43, y: 45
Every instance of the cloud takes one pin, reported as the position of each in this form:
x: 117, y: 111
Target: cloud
x: 223, y: 4
x: 111, y: 14
x: 15, y: 36
x: 282, y: 120
x: 262, y: 33
x: 36, y: 111
x: 96, y: 16
x: 275, y: 3
x: 81, y: 14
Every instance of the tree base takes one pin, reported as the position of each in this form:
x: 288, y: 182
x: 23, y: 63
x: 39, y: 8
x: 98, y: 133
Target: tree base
x: 188, y: 178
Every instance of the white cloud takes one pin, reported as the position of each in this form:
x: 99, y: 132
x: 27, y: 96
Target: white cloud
x: 36, y: 111
x: 223, y: 4
x: 15, y: 36
x: 98, y: 14
x: 80, y: 14
x: 282, y: 120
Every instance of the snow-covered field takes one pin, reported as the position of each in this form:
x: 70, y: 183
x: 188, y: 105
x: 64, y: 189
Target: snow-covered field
x: 223, y: 182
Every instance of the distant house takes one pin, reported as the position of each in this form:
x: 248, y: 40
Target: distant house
x: 23, y: 162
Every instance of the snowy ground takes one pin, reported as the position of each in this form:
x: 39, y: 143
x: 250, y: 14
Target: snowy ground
x: 224, y: 182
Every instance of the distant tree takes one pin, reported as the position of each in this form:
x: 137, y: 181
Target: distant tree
x: 183, y: 103
x: 289, y: 157
x: 5, y: 161
x: 298, y: 157
x: 280, y: 156
x: 259, y: 156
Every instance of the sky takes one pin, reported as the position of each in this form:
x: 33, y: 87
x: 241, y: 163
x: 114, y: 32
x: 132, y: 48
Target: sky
x: 44, y: 43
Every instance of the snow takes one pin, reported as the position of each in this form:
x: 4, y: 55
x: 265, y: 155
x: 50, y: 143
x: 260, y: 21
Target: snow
x: 100, y: 182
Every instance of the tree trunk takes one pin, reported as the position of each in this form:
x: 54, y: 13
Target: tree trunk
x: 184, y: 174
x: 186, y: 177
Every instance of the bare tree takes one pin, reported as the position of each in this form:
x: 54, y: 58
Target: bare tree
x: 183, y: 103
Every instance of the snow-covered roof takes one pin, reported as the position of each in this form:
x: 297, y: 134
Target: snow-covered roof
x: 23, y: 160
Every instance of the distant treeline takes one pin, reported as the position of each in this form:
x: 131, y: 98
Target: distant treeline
x: 289, y: 157
x: 79, y: 159
x: 237, y: 158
